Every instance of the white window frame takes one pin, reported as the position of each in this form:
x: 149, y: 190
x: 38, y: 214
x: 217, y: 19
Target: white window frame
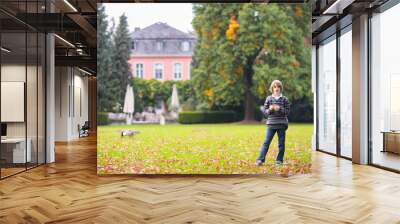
x: 173, y: 70
x: 155, y: 68
x: 136, y: 70
x: 183, y: 46
x: 159, y: 45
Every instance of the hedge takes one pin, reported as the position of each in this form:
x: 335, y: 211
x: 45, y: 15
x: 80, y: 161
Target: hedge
x: 195, y: 117
x: 301, y: 111
x: 102, y: 118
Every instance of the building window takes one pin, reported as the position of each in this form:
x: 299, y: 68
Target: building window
x: 133, y: 47
x: 185, y: 46
x: 346, y: 94
x: 177, y: 71
x: 158, y: 71
x: 159, y: 45
x: 139, y: 70
x: 327, y: 95
x: 385, y: 89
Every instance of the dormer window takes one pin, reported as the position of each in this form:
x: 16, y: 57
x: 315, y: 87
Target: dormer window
x: 185, y: 46
x: 159, y: 45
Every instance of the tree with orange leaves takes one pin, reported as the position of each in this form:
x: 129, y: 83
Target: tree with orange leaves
x: 241, y: 48
x: 233, y: 28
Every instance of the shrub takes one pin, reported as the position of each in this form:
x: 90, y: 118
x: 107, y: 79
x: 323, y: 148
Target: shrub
x: 195, y: 117
x: 258, y: 114
x: 189, y: 104
x: 102, y: 118
x: 148, y: 92
x: 301, y: 111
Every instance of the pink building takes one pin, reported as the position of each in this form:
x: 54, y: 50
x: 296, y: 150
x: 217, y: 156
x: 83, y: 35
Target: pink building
x: 161, y: 52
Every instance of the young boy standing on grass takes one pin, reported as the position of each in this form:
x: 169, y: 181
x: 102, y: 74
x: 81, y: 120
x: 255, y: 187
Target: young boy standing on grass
x: 277, y: 108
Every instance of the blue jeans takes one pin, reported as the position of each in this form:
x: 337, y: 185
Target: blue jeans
x: 268, y: 140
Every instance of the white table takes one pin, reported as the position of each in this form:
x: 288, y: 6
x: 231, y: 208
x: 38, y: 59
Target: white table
x: 19, y: 155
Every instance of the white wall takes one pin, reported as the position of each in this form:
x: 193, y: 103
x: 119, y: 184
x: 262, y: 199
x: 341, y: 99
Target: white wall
x: 10, y: 73
x: 61, y: 103
x: 71, y: 102
x: 33, y: 126
x: 81, y: 83
x: 16, y: 73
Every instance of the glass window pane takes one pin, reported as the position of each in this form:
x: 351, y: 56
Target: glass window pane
x: 185, y: 46
x: 385, y: 84
x: 31, y: 98
x: 327, y: 96
x: 139, y: 70
x: 41, y: 99
x: 177, y: 71
x: 23, y: 85
x: 13, y: 86
x: 158, y: 71
x: 346, y: 94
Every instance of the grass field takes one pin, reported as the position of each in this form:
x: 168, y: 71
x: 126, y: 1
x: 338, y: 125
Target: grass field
x: 200, y: 149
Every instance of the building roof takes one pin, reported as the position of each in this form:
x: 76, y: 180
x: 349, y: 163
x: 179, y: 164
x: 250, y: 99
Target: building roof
x: 161, y: 31
x: 147, y: 41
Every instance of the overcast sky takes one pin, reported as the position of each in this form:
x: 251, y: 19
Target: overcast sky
x: 178, y: 15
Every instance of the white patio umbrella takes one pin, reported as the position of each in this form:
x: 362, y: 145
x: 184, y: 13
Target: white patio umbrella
x: 175, y: 106
x: 129, y: 104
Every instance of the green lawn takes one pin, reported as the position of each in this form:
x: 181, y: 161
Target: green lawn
x: 199, y: 149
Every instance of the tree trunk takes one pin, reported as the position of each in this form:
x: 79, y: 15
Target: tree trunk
x: 249, y: 98
x: 249, y: 106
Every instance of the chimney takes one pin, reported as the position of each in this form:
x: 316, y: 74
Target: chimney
x: 137, y: 29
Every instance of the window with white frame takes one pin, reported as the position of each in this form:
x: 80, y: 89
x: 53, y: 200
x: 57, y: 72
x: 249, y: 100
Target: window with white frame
x: 177, y: 71
x: 159, y: 45
x: 158, y: 71
x: 185, y: 46
x: 139, y: 70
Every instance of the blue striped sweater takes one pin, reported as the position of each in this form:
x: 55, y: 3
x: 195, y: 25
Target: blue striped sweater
x: 277, y: 118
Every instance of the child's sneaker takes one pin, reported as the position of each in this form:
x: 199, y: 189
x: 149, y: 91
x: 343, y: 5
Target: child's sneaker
x: 279, y: 163
x: 259, y: 163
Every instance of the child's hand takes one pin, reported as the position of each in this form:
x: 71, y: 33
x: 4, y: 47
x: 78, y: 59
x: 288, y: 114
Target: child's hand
x: 274, y: 107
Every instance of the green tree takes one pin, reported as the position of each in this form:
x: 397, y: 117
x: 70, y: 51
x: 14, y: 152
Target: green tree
x: 147, y: 91
x: 243, y: 47
x: 121, y: 73
x: 105, y: 96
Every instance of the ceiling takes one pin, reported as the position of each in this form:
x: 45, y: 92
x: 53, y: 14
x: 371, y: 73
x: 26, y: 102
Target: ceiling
x: 330, y: 15
x: 74, y: 22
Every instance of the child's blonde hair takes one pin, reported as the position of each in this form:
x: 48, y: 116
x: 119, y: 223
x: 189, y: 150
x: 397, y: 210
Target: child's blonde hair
x: 276, y: 83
